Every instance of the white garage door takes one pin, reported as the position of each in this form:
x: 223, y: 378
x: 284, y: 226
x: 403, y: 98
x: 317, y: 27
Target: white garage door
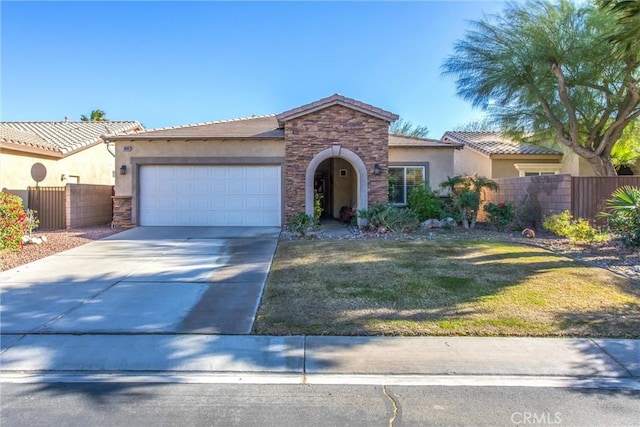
x: 210, y: 195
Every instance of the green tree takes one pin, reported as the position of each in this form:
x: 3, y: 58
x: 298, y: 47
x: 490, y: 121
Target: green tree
x: 95, y: 116
x: 627, y: 150
x: 485, y: 124
x: 626, y: 34
x: 546, y: 69
x: 406, y: 128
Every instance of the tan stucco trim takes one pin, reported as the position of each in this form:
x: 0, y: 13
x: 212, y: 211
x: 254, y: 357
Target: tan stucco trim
x: 523, y: 168
x: 8, y: 147
x: 249, y: 138
x: 137, y: 162
x: 557, y: 157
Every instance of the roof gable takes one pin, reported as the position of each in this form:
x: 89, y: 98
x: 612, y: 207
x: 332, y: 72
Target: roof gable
x: 336, y: 99
x: 60, y: 137
x: 490, y: 143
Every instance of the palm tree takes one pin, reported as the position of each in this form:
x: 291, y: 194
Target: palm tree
x: 466, y: 192
x: 95, y: 116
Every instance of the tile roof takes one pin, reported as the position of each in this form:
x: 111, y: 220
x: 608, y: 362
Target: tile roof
x: 408, y: 141
x: 254, y: 127
x: 258, y: 127
x: 14, y: 136
x: 336, y: 99
x: 496, y: 143
x: 61, y: 137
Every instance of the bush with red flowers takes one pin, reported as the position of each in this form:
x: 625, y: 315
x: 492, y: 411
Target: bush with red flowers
x: 501, y: 216
x: 12, y: 221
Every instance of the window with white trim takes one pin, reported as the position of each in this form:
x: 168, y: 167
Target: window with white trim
x: 537, y: 169
x: 402, y: 179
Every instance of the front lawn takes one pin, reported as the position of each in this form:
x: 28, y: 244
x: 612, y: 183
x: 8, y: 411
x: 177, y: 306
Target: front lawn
x: 442, y: 287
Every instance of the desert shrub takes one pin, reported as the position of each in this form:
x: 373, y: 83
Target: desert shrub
x: 501, y: 215
x: 302, y: 223
x: 425, y: 203
x: 578, y: 230
x: 12, y: 221
x: 387, y: 216
x: 31, y: 221
x: 623, y: 218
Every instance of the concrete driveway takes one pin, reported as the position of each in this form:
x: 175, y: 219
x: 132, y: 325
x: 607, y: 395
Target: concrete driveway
x: 144, y: 280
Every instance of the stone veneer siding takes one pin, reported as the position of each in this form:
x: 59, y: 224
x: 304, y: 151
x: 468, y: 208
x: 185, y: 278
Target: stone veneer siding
x: 308, y: 135
x: 122, y: 211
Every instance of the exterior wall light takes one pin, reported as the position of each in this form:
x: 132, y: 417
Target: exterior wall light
x: 123, y: 170
x: 376, y: 169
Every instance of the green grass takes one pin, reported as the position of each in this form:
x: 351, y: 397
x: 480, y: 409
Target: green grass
x: 440, y: 287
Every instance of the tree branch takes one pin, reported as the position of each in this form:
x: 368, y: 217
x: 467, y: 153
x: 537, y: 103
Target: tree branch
x: 564, y: 98
x: 624, y: 116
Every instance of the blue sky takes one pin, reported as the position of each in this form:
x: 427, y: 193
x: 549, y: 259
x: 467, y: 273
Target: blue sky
x: 172, y: 63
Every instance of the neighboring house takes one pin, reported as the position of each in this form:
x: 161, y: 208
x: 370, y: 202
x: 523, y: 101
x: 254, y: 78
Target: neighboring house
x: 494, y: 155
x: 262, y: 170
x: 56, y: 153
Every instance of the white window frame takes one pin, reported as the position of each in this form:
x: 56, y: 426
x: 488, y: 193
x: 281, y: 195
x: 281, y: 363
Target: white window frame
x: 538, y: 168
x: 404, y: 181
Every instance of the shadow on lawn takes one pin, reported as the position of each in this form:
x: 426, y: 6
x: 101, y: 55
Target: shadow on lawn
x: 378, y: 287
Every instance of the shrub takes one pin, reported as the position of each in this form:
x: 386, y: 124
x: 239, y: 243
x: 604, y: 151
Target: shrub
x: 501, y: 215
x: 302, y: 223
x: 425, y: 203
x: 31, y: 221
x: 389, y: 217
x: 623, y: 217
x: 466, y: 193
x: 578, y: 230
x: 317, y: 205
x: 12, y: 221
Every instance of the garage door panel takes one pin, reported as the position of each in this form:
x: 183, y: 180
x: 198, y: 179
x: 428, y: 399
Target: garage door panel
x: 210, y: 195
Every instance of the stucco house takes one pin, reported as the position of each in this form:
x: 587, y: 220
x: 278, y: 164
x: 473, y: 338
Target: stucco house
x: 56, y: 153
x: 261, y: 170
x: 495, y: 155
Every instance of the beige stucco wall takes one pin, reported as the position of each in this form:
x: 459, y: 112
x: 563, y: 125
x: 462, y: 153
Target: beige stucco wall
x: 93, y: 165
x: 505, y: 168
x: 196, y: 149
x: 440, y: 160
x: 469, y: 162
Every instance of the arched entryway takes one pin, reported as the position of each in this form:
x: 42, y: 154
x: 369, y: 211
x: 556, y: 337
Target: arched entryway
x: 350, y: 191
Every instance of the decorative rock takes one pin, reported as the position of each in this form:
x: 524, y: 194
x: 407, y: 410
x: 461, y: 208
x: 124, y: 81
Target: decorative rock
x: 44, y: 239
x: 36, y: 240
x: 448, y: 222
x: 430, y: 223
x: 26, y: 239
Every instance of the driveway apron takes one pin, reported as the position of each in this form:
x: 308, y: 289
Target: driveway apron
x: 144, y: 280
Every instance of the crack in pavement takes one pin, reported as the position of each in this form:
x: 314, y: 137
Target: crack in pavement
x: 394, y: 404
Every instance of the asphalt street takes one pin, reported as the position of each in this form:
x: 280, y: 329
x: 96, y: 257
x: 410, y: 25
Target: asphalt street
x: 131, y: 404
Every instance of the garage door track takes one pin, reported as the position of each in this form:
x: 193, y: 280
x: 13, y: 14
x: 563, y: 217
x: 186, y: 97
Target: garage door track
x: 144, y: 280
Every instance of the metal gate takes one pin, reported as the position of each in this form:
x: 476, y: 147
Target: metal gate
x: 51, y: 206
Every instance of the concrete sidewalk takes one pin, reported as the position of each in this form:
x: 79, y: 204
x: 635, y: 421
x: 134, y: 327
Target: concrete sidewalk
x: 307, y: 359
